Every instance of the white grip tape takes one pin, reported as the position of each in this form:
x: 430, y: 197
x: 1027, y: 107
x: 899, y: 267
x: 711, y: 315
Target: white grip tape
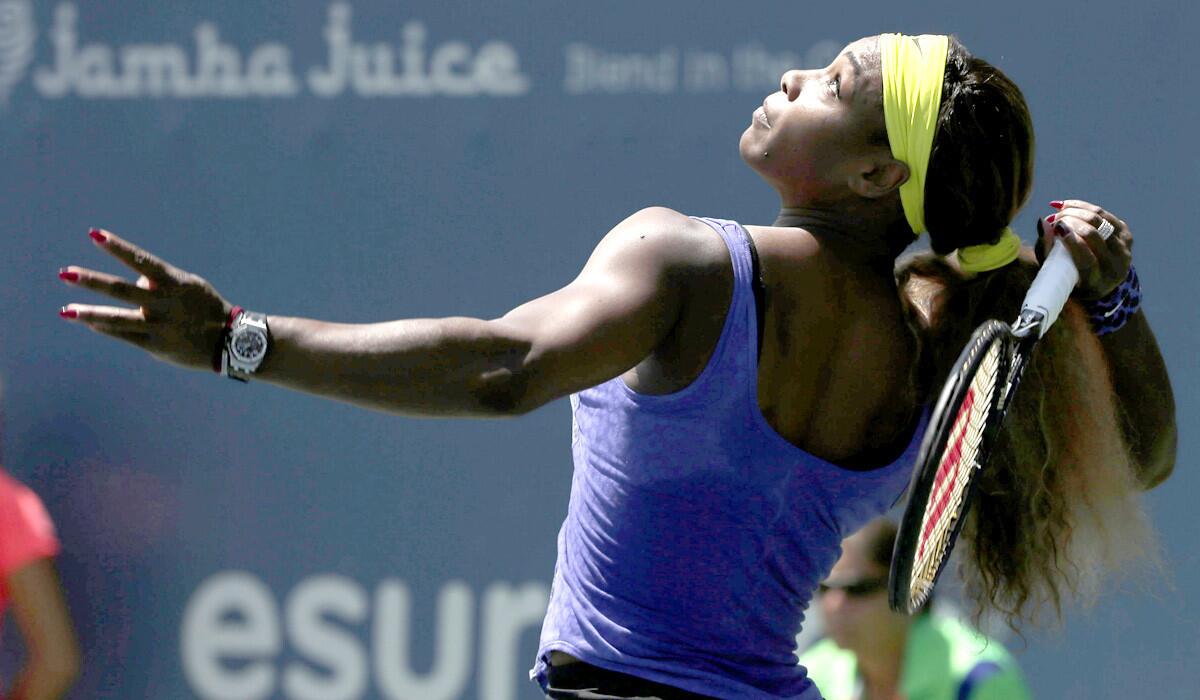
x: 1052, y: 286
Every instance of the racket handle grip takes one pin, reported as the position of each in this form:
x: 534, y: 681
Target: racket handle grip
x: 1050, y: 289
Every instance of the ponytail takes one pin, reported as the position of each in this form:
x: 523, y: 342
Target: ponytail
x: 1057, y: 504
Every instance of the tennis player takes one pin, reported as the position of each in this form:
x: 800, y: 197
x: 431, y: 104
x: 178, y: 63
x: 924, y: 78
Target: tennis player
x: 746, y: 396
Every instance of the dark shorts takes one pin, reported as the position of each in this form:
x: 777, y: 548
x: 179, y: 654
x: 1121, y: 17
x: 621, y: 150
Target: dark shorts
x: 582, y: 681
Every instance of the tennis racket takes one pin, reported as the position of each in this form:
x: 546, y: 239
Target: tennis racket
x: 962, y: 431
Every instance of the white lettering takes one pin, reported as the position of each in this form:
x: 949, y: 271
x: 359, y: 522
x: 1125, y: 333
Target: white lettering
x: 507, y: 613
x: 308, y: 610
x: 591, y: 70
x: 756, y: 69
x: 331, y: 82
x: 231, y: 615
x: 232, y: 645
x: 269, y: 72
x: 497, y: 71
x: 53, y: 83
x: 451, y: 69
x: 444, y: 69
x: 414, y: 68
x: 452, y: 643
x: 219, y: 66
x: 154, y: 70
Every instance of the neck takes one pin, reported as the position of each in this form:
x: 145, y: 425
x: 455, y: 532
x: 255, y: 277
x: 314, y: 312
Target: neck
x: 881, y: 663
x: 859, y: 236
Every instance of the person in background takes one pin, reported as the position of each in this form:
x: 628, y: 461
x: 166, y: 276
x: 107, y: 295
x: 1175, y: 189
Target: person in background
x: 29, y: 585
x: 873, y: 653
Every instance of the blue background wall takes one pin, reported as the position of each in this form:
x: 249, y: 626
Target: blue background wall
x: 226, y: 541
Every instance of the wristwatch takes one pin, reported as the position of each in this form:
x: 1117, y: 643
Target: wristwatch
x: 246, y: 345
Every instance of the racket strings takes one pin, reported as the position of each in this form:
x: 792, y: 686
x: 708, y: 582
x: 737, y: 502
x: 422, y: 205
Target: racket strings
x: 959, y: 459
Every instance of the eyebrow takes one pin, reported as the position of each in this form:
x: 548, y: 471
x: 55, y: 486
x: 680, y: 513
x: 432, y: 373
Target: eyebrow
x: 854, y: 61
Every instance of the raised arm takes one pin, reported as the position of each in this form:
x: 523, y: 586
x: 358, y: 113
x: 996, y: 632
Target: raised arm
x: 1139, y: 374
x: 614, y: 314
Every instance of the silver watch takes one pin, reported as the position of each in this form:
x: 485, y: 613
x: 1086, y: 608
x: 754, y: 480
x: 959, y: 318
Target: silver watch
x: 246, y: 345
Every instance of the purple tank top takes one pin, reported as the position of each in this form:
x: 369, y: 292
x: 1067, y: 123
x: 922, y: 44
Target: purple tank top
x: 695, y: 533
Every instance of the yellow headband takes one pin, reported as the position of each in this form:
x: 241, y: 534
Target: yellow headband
x: 913, y: 69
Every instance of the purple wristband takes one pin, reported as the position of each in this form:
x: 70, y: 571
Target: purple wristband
x: 1113, y: 311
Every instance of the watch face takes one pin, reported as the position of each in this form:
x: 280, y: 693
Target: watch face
x: 249, y: 345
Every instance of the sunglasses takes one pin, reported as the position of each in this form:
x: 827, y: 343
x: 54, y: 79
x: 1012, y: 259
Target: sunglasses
x: 856, y: 589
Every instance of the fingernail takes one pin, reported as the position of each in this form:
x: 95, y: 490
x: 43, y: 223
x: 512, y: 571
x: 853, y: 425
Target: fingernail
x: 1050, y: 219
x: 98, y: 236
x: 68, y: 313
x: 1057, y: 204
x: 68, y: 276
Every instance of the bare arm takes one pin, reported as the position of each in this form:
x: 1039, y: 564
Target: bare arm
x: 1139, y: 374
x: 52, y: 653
x: 1144, y: 395
x: 615, y: 313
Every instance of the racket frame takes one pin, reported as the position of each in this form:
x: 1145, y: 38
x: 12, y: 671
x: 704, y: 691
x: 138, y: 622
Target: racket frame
x: 933, y: 445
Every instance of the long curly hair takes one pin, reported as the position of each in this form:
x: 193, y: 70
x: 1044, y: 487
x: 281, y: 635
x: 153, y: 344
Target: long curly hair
x: 1058, y: 505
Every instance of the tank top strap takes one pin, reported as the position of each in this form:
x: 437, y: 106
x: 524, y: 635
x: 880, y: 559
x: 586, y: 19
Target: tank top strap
x: 738, y: 347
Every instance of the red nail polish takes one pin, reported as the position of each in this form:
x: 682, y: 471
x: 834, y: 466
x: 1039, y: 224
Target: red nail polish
x: 68, y: 276
x: 1050, y: 219
x: 1057, y: 204
x: 97, y: 236
x: 68, y: 313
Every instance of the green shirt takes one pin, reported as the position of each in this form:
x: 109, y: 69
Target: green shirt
x: 945, y: 660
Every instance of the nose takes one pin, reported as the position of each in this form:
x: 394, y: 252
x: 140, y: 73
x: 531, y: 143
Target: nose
x: 792, y: 82
x: 833, y: 601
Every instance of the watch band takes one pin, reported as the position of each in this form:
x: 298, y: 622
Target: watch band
x: 219, y: 357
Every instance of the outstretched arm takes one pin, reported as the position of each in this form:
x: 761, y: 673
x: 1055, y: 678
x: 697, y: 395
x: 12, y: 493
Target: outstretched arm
x: 1139, y: 374
x: 614, y: 314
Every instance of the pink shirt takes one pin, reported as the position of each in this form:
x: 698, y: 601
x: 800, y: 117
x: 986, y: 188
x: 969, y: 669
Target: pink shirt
x: 26, y: 531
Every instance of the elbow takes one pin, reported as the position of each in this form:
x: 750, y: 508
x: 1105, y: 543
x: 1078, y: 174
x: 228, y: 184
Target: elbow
x: 506, y: 392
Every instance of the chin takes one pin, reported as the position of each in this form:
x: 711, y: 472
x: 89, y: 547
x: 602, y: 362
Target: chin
x: 751, y: 152
x: 744, y: 145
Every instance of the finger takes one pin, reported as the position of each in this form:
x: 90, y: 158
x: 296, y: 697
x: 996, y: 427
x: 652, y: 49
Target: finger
x: 109, y: 285
x: 1116, y: 242
x: 1042, y: 248
x: 144, y: 262
x: 125, y: 320
x: 1081, y: 253
x: 1097, y: 213
x: 1112, y: 253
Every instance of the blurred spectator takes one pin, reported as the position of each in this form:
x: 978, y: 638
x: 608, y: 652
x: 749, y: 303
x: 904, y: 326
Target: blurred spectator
x: 872, y: 653
x: 29, y: 584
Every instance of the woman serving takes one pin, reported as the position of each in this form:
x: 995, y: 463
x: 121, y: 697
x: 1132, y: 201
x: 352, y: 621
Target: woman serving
x: 746, y: 396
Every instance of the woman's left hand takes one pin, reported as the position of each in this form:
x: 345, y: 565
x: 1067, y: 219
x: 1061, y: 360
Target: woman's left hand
x: 1102, y: 263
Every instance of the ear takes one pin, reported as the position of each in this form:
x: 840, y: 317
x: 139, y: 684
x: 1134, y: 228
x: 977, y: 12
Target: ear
x: 876, y: 176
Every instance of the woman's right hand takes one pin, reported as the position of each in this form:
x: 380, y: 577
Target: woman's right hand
x: 180, y: 318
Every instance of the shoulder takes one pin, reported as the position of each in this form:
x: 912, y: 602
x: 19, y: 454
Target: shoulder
x: 968, y: 644
x: 26, y: 530
x: 978, y: 660
x: 665, y: 240
x: 831, y: 668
